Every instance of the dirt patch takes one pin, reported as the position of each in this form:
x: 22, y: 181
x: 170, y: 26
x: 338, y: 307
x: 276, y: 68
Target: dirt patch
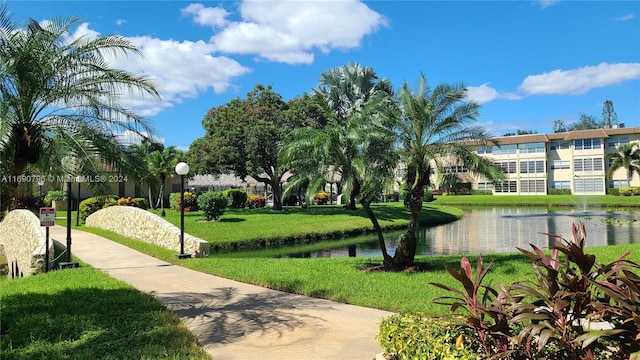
x: 380, y: 268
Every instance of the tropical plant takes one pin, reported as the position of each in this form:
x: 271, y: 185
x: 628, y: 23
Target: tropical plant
x: 574, y: 308
x: 434, y: 130
x: 161, y: 163
x: 347, y: 90
x: 60, y: 99
x: 628, y: 158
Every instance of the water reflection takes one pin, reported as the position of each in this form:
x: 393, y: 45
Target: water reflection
x: 497, y: 230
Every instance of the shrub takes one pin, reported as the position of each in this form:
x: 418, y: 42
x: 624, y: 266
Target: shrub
x: 237, y: 198
x: 481, y: 192
x: 95, y: 203
x: 190, y: 201
x: 141, y: 203
x: 625, y: 192
x: 414, y: 337
x: 550, y: 317
x: 55, y: 195
x: 613, y: 191
x: 321, y: 198
x: 559, y: 191
x: 212, y: 203
x: 256, y: 201
x: 28, y: 202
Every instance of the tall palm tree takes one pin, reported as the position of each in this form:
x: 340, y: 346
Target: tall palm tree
x: 161, y: 164
x: 434, y: 129
x: 627, y: 157
x: 61, y: 99
x: 347, y: 89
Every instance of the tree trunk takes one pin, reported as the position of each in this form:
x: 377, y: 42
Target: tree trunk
x: 162, y: 212
x: 406, y: 251
x: 276, y: 187
x: 387, y: 260
x: 352, y: 197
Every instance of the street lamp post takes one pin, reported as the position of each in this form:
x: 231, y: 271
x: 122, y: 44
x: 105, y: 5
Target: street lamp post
x: 78, y: 202
x: 40, y: 183
x: 182, y: 169
x: 68, y: 263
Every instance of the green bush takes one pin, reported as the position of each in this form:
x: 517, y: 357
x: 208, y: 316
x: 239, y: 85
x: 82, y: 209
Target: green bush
x: 613, y: 191
x: 237, y: 198
x: 95, y: 203
x: 256, y: 201
x: 559, y: 191
x: 414, y: 337
x: 481, y: 192
x: 212, y: 203
x: 55, y: 195
x: 190, y: 201
x: 137, y: 202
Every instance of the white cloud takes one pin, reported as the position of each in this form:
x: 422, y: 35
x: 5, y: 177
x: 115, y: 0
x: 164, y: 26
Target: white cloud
x: 120, y: 22
x: 180, y: 69
x: 213, y: 17
x: 580, y: 80
x: 290, y: 31
x: 546, y: 3
x: 625, y: 17
x: 485, y: 93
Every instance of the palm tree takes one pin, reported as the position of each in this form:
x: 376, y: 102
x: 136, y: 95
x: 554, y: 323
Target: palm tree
x: 60, y: 99
x: 347, y: 89
x: 433, y: 131
x: 161, y: 164
x: 627, y: 157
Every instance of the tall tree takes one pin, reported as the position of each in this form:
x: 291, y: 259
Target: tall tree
x: 366, y: 138
x: 348, y: 89
x: 609, y: 116
x: 245, y: 136
x: 559, y: 126
x: 627, y: 157
x: 61, y: 99
x: 161, y: 164
x: 434, y: 129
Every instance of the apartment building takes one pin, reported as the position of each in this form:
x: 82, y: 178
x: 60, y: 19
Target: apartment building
x: 574, y: 160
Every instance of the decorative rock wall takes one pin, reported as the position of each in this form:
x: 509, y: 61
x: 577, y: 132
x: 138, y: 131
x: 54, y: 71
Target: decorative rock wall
x: 23, y: 241
x: 140, y: 224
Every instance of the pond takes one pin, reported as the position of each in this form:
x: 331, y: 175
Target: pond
x: 493, y: 230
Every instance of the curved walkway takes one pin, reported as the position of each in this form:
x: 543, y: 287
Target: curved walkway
x: 234, y: 320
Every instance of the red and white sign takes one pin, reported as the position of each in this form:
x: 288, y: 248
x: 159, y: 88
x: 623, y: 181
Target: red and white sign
x: 47, y: 216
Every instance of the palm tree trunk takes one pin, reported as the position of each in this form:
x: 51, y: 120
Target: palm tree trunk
x: 162, y: 213
x: 406, y: 251
x: 387, y: 260
x: 352, y: 197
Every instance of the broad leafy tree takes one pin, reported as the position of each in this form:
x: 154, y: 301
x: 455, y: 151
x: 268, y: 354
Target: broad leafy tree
x: 435, y: 129
x: 60, y: 99
x: 245, y: 136
x: 628, y: 158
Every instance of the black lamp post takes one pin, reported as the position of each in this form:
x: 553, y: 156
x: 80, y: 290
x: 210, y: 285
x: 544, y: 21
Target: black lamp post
x: 68, y: 263
x: 78, y: 202
x: 182, y: 169
x: 40, y: 183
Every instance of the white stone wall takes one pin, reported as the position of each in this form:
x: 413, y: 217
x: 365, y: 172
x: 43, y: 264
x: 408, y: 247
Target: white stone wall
x: 140, y: 224
x: 23, y: 241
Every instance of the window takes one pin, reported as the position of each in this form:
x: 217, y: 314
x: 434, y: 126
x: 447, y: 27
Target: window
x: 532, y: 167
x: 533, y: 186
x: 485, y: 186
x: 504, y: 149
x: 508, y: 167
x: 455, y: 169
x: 587, y: 164
x: 560, y: 164
x: 587, y: 144
x: 619, y: 140
x: 559, y: 145
x: 484, y: 150
x: 617, y: 184
x: 561, y: 184
x: 532, y: 148
x: 507, y: 187
x: 589, y: 185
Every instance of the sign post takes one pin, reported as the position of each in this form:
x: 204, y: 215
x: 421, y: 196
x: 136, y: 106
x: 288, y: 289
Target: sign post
x: 47, y: 219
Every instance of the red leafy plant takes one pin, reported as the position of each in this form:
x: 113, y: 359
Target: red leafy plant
x: 574, y: 308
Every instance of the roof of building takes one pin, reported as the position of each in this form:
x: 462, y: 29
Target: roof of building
x: 569, y: 135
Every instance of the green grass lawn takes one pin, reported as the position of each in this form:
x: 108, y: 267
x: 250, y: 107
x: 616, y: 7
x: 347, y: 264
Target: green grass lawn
x: 85, y: 314
x: 539, y: 200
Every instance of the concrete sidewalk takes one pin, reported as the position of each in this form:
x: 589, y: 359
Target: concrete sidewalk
x: 233, y: 320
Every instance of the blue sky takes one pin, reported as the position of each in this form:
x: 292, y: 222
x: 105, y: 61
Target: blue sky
x: 526, y: 62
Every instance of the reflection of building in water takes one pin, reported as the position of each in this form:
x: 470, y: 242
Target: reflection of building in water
x: 504, y: 229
